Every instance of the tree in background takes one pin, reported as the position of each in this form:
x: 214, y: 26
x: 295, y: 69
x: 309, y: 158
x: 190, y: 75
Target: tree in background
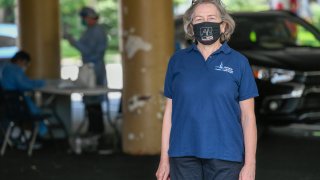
x: 109, y: 16
x: 246, y: 5
x: 7, y: 11
x: 70, y: 20
x: 178, y: 2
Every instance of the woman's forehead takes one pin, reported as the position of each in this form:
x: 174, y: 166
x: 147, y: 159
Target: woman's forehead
x: 206, y: 9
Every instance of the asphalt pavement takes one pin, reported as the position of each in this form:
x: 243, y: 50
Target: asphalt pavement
x: 285, y: 154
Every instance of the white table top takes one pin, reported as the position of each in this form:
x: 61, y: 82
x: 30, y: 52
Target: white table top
x: 66, y: 87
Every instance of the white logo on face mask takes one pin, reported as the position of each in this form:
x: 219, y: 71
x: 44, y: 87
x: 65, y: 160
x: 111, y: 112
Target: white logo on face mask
x: 223, y: 68
x: 206, y: 33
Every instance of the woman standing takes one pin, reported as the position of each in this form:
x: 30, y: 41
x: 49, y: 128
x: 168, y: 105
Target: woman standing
x: 209, y: 128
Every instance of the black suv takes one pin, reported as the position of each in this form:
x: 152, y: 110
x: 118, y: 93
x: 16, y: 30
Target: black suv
x: 284, y: 51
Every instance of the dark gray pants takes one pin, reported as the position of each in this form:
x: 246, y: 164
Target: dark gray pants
x: 192, y: 168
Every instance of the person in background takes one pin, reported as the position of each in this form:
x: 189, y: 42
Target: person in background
x: 304, y: 10
x: 209, y: 126
x: 14, y: 78
x: 92, y: 46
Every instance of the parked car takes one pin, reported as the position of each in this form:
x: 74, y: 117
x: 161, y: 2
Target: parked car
x: 284, y: 51
x: 8, y: 40
x: 8, y: 43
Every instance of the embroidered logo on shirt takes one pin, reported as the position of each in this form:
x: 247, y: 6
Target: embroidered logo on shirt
x: 223, y: 68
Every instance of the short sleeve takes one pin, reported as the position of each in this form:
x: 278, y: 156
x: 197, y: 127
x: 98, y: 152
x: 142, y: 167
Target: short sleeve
x: 168, y: 80
x: 248, y: 87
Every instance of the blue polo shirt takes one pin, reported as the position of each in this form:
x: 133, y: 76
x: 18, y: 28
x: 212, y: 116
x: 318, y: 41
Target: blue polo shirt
x: 206, y: 116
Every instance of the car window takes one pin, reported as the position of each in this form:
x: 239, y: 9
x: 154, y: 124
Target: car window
x: 305, y: 37
x: 272, y: 33
x: 6, y: 41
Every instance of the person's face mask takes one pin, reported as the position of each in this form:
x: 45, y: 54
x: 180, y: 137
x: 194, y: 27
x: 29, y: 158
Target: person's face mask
x: 84, y: 22
x: 23, y: 65
x: 207, y: 33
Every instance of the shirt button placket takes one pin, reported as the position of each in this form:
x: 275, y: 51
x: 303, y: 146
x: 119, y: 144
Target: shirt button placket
x: 210, y: 58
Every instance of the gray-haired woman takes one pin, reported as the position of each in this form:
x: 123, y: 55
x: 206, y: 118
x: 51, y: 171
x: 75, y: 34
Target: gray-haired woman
x: 209, y: 128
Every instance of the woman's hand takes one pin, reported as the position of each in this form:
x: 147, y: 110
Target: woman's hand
x: 248, y: 172
x: 163, y: 172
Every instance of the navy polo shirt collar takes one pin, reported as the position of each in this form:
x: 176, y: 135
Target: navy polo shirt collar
x: 224, y: 48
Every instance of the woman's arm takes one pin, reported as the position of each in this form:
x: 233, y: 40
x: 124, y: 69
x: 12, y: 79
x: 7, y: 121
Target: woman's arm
x: 164, y: 167
x: 248, y: 121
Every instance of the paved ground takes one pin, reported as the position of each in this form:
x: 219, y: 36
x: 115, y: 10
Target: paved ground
x: 286, y: 154
x: 289, y: 154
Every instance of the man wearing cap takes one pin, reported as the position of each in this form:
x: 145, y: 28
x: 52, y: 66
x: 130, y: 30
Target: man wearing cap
x: 92, y: 46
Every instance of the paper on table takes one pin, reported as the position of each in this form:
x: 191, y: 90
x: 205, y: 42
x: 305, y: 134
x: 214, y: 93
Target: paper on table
x: 66, y: 84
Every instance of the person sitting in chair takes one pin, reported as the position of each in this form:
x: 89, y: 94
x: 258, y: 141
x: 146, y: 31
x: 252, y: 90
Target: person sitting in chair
x: 14, y: 78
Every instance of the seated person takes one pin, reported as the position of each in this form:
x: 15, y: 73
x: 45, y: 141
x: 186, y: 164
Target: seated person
x: 14, y: 78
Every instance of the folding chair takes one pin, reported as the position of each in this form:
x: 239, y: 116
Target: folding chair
x: 2, y: 121
x: 17, y: 113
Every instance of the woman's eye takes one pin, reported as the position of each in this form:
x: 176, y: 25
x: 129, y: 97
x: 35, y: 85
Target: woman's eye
x: 198, y: 20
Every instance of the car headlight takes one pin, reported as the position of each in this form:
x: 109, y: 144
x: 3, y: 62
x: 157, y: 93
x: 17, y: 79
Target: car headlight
x: 274, y: 75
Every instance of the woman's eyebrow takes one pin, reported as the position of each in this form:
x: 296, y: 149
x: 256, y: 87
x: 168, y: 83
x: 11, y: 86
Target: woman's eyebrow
x: 197, y: 16
x: 212, y: 16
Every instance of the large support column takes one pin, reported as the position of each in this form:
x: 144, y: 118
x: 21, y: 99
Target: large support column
x: 147, y: 44
x: 39, y: 35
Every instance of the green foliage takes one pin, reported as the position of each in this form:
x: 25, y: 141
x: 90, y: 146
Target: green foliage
x: 246, y: 5
x: 108, y: 10
x: 6, y: 3
x: 109, y: 16
x: 178, y: 2
x: 67, y: 50
x: 7, y: 6
x: 70, y: 16
x: 306, y: 38
x: 71, y: 23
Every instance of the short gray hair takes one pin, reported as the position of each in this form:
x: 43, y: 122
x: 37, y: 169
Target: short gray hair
x: 188, y: 17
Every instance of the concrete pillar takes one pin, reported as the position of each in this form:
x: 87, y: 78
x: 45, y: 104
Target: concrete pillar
x: 147, y: 44
x: 38, y: 22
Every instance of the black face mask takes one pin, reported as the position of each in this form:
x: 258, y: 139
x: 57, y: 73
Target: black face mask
x: 207, y: 33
